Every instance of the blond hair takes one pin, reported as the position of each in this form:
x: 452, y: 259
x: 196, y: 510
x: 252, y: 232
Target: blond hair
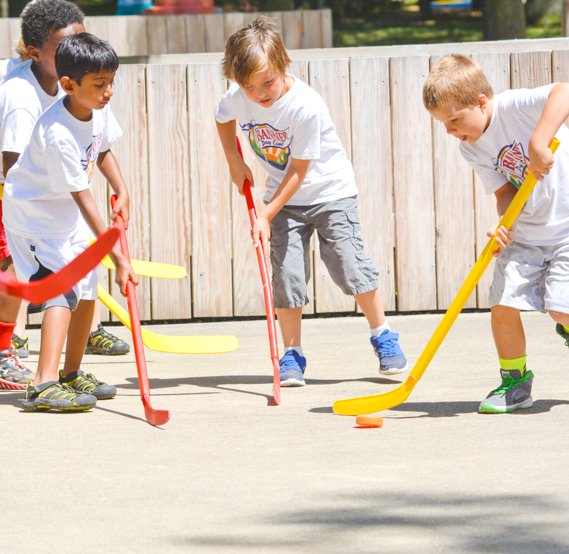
x: 253, y: 49
x: 458, y: 79
x: 22, y: 51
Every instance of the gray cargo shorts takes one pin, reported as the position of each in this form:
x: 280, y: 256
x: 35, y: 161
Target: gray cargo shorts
x: 341, y: 249
x: 532, y: 278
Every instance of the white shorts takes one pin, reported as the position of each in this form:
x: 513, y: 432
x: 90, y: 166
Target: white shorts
x: 532, y: 278
x: 35, y: 259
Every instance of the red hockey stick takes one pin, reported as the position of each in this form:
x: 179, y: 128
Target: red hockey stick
x: 38, y: 292
x: 154, y: 417
x: 269, y: 307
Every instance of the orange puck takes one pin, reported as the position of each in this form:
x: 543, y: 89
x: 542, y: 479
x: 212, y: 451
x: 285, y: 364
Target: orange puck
x: 369, y: 421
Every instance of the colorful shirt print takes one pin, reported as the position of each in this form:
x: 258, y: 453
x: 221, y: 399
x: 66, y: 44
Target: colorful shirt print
x: 513, y: 163
x: 270, y: 144
x: 92, y: 153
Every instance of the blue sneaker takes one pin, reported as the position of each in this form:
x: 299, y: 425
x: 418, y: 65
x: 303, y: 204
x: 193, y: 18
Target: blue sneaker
x: 291, y: 370
x: 387, y: 349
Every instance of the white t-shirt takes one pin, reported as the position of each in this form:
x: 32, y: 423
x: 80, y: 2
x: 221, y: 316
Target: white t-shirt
x: 22, y: 101
x: 501, y: 155
x: 58, y: 160
x: 7, y: 66
x: 297, y: 125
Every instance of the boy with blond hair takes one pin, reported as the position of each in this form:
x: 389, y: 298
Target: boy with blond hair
x: 310, y: 186
x: 504, y: 137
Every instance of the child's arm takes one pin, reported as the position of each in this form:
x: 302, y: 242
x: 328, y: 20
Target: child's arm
x: 110, y: 169
x: 556, y: 111
x: 124, y: 271
x: 237, y: 167
x: 504, y: 197
x: 290, y: 184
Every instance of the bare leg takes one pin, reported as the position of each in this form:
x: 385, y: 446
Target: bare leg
x: 20, y: 328
x: 290, y: 321
x: 77, y: 335
x: 558, y: 317
x: 372, y: 307
x: 96, y: 317
x: 508, y: 332
x: 53, y: 330
x: 9, y: 305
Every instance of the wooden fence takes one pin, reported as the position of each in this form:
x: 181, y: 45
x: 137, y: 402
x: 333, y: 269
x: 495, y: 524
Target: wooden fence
x: 140, y: 35
x: 424, y: 217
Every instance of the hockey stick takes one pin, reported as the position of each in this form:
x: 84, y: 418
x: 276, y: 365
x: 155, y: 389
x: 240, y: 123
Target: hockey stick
x: 38, y: 292
x: 269, y: 307
x: 173, y: 344
x: 149, y: 269
x: 379, y: 402
x: 153, y: 416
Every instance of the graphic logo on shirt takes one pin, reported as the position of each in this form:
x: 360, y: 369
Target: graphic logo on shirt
x: 271, y: 145
x: 513, y: 163
x: 92, y: 154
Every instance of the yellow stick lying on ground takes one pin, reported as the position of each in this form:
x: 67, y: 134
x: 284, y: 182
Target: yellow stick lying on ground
x: 149, y: 269
x: 378, y: 402
x: 167, y: 343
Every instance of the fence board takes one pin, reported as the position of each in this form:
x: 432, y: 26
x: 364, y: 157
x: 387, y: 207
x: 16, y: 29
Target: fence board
x: 530, y: 69
x: 292, y: 30
x: 169, y: 193
x: 331, y: 79
x: 129, y: 107
x: 137, y: 35
x: 215, y: 32
x: 312, y: 28
x: 560, y: 68
x: 496, y: 67
x: 327, y: 35
x: 157, y: 35
x: 15, y: 30
x: 454, y: 214
x: 371, y: 147
x: 278, y: 19
x: 98, y: 26
x: 413, y: 178
x: 5, y: 50
x: 232, y: 22
x: 195, y: 33
x: 211, y: 197
x: 176, y: 35
x: 118, y: 33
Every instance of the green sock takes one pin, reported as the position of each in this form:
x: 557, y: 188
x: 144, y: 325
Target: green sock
x: 566, y: 329
x: 516, y: 363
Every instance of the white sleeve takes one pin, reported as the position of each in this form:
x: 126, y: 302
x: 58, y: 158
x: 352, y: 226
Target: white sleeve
x: 17, y: 126
x: 530, y: 102
x: 112, y: 131
x: 305, y: 144
x: 63, y: 160
x: 490, y: 177
x: 225, y: 111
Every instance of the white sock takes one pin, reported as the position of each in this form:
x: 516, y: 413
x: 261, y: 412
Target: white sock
x: 378, y: 330
x: 297, y: 349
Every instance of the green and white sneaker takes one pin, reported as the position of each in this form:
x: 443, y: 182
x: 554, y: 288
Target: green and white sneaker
x: 513, y: 394
x: 55, y: 396
x: 87, y: 383
x: 561, y: 332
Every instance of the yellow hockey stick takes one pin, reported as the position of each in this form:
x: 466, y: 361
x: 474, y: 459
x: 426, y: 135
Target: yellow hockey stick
x: 149, y: 269
x: 387, y: 400
x: 173, y: 344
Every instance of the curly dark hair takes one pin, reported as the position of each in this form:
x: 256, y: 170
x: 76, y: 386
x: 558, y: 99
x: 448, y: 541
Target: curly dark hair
x: 40, y: 18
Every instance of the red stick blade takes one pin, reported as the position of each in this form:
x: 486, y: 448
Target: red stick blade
x: 156, y: 417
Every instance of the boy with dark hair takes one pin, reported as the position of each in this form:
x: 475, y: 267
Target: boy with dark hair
x: 311, y: 186
x: 504, y: 137
x: 48, y: 205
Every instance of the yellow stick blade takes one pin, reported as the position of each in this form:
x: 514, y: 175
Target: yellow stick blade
x: 173, y: 344
x: 148, y: 269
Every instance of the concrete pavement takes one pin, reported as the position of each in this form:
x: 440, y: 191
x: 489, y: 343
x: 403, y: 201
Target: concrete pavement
x: 230, y: 474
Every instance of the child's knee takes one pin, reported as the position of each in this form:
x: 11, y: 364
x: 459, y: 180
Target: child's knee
x: 559, y: 317
x: 504, y: 313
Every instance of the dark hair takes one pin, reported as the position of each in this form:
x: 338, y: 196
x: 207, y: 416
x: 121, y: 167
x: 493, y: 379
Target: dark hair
x: 40, y: 18
x: 78, y: 55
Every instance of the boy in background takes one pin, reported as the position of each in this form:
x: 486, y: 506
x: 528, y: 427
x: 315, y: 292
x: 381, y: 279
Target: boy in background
x: 310, y: 186
x: 47, y: 203
x: 504, y: 137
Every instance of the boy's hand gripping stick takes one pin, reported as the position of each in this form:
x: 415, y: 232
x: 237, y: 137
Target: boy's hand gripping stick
x: 154, y: 417
x: 269, y: 307
x: 378, y: 402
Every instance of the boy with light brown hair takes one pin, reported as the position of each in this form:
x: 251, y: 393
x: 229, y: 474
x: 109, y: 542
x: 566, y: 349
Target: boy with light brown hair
x: 504, y: 137
x: 310, y: 186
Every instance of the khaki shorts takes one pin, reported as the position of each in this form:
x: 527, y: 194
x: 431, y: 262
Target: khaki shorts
x: 341, y: 249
